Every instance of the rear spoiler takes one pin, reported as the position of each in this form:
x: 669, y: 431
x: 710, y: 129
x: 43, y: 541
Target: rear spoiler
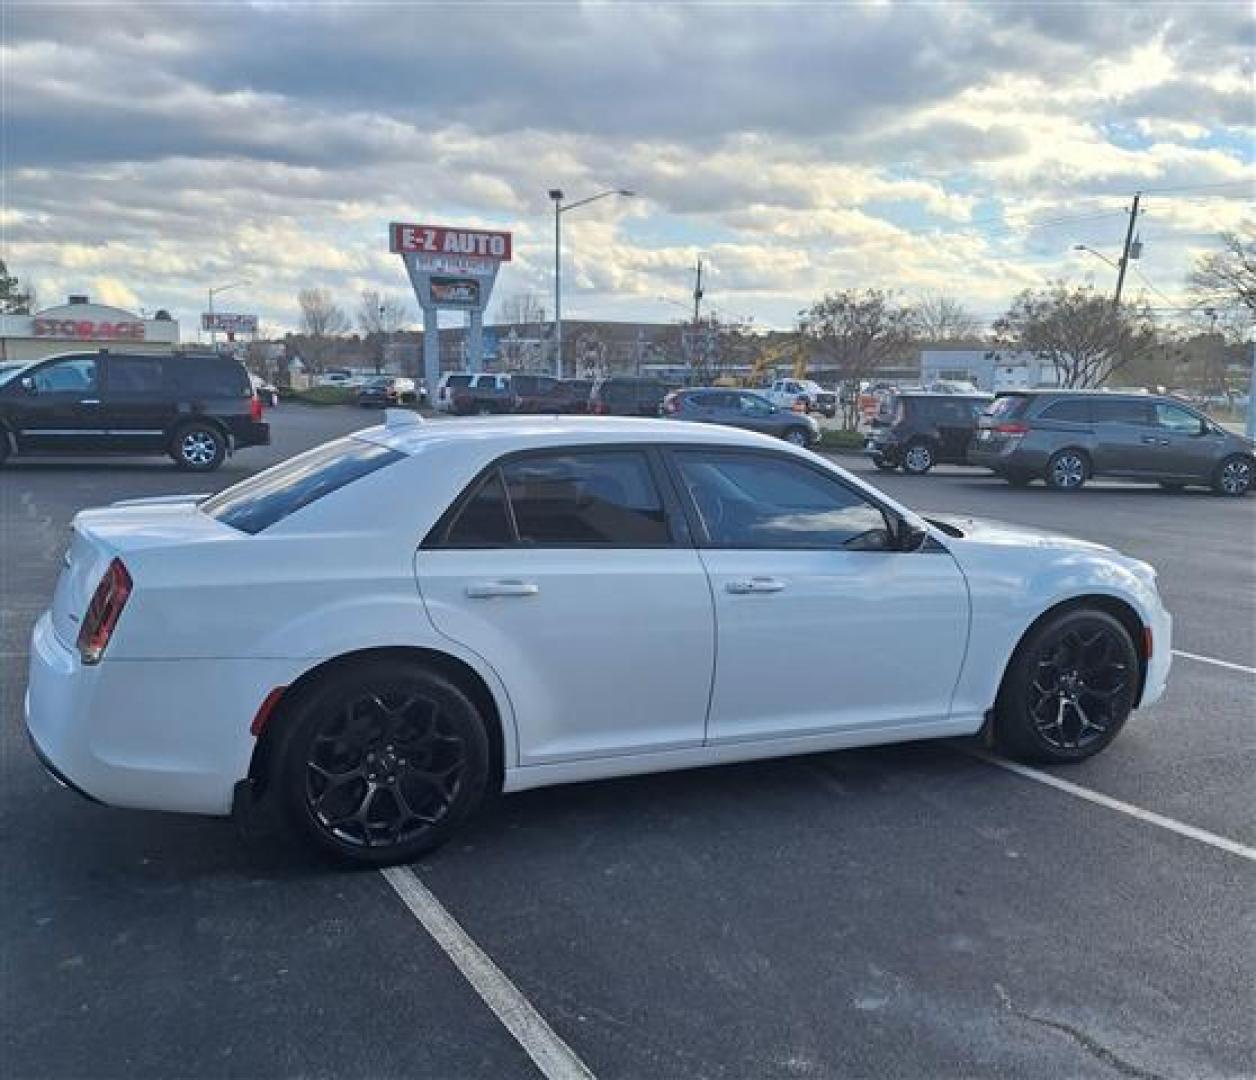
x: 164, y: 500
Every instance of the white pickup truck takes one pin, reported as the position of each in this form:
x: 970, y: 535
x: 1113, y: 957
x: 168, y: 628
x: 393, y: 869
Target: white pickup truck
x: 791, y: 393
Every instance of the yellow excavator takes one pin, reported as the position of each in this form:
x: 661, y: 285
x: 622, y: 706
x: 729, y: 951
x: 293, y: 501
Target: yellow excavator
x: 789, y: 350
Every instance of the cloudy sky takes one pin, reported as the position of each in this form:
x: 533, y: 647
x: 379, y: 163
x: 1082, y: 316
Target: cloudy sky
x: 153, y: 150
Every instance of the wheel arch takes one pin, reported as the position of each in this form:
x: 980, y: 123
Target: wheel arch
x: 1125, y: 613
x: 457, y: 671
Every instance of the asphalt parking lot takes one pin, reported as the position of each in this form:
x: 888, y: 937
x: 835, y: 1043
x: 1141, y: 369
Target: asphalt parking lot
x: 906, y: 912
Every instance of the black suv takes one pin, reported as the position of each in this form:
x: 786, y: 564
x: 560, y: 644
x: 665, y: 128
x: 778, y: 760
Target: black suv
x: 623, y: 395
x: 195, y: 407
x: 916, y: 431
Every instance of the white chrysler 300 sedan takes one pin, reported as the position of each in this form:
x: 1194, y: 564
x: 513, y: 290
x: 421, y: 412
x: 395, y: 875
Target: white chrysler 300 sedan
x: 376, y: 635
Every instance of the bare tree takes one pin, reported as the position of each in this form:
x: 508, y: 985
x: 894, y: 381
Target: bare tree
x: 1083, y: 335
x: 1227, y: 278
x: 859, y: 332
x: 523, y: 310
x: 941, y: 318
x: 380, y: 317
x: 321, y: 320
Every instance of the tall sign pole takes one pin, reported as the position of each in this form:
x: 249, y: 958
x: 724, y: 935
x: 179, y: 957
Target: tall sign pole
x: 450, y: 269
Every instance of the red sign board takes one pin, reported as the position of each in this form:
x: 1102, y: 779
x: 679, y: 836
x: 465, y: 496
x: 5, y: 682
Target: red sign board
x: 447, y: 240
x: 90, y: 329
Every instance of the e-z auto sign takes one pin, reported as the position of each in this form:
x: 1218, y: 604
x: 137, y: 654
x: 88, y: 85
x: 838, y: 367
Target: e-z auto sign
x: 441, y: 240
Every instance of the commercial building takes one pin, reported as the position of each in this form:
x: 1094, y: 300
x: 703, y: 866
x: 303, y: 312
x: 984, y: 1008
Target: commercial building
x: 987, y: 369
x: 79, y: 325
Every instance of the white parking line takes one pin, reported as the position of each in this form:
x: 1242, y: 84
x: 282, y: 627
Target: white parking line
x: 555, y: 1059
x: 1222, y: 843
x: 1216, y: 662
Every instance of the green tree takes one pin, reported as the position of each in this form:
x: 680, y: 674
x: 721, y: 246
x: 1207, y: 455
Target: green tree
x: 14, y: 300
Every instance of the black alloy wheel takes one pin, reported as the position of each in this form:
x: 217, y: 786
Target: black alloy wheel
x: 384, y: 762
x: 1070, y: 688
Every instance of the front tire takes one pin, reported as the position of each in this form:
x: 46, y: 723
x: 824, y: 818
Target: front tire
x: 796, y: 436
x: 1067, y: 470
x: 382, y: 762
x: 1069, y: 689
x: 918, y: 458
x: 1233, y: 477
x: 198, y: 447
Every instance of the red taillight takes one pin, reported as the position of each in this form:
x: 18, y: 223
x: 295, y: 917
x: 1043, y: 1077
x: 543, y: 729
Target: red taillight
x: 103, y: 612
x: 255, y: 408
x: 1012, y: 429
x: 671, y: 404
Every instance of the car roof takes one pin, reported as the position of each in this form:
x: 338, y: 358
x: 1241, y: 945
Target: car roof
x: 508, y: 433
x: 942, y: 394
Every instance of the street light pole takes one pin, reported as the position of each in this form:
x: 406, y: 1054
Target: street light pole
x: 559, y: 209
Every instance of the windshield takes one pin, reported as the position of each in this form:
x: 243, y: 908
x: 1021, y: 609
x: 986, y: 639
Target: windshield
x: 10, y: 370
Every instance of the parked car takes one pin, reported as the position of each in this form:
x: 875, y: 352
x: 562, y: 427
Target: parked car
x: 546, y: 394
x: 741, y: 409
x: 266, y: 393
x: 628, y: 395
x: 385, y: 390
x: 198, y: 408
x: 557, y: 623
x: 340, y: 377
x: 482, y: 395
x: 449, y: 382
x: 803, y: 394
x: 916, y: 431
x: 1066, y: 437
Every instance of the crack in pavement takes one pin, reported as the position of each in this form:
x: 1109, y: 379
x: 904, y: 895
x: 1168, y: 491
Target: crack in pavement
x: 1090, y: 1045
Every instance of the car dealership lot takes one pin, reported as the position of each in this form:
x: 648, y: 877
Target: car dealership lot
x: 903, y: 911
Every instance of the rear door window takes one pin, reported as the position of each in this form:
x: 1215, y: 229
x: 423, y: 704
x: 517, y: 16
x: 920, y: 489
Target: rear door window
x: 1177, y: 419
x: 257, y: 503
x: 1120, y: 411
x: 579, y: 498
x: 135, y: 376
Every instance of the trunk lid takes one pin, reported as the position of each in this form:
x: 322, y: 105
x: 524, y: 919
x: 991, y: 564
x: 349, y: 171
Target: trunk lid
x: 122, y: 531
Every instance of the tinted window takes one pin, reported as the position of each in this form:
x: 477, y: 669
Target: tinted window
x: 1176, y: 418
x: 210, y: 376
x: 73, y: 376
x: 1009, y: 406
x: 754, y: 405
x: 613, y: 391
x: 136, y: 375
x: 458, y: 380
x: 483, y: 520
x: 1117, y: 411
x: 257, y: 503
x: 598, y: 497
x: 951, y: 411
x: 756, y: 501
x: 707, y: 399
x: 1075, y: 412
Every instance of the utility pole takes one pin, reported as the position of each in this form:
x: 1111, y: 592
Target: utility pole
x: 1123, y: 265
x: 697, y: 296
x: 557, y: 196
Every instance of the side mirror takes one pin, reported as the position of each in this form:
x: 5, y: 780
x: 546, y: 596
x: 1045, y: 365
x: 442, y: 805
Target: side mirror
x: 909, y: 536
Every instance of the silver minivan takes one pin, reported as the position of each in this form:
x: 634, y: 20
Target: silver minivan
x: 1067, y: 436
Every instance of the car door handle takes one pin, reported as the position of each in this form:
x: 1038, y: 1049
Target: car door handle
x: 754, y: 585
x: 1151, y: 440
x: 484, y: 590
x: 90, y: 401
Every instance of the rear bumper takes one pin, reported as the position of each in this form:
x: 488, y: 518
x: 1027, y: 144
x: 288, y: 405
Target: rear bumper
x: 145, y: 734
x: 250, y: 433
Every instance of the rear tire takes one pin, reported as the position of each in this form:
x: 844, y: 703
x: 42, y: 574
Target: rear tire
x: 198, y: 447
x: 918, y: 458
x: 1068, y: 470
x: 1233, y: 477
x: 382, y: 762
x: 1069, y: 688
